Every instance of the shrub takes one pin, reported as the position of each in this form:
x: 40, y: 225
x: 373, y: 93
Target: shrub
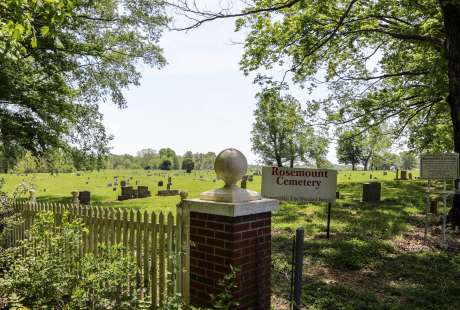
x: 46, y: 270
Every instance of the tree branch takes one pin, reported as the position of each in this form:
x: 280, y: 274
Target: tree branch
x: 209, y: 16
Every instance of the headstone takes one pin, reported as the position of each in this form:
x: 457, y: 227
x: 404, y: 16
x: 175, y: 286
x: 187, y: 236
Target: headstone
x: 244, y: 181
x: 403, y: 174
x: 168, y: 186
x: 337, y: 195
x: 84, y: 197
x: 160, y: 183
x: 410, y: 176
x: 75, y: 199
x: 143, y: 191
x: 123, y: 183
x: 169, y: 180
x: 370, y: 176
x: 126, y: 193
x: 371, y: 192
x: 114, y: 189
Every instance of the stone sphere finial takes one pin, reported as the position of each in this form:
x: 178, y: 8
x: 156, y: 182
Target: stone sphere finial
x: 230, y: 166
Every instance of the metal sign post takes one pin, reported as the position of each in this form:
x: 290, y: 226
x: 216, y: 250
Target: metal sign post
x: 328, y: 228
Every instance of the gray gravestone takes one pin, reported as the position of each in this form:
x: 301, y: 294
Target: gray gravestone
x: 403, y: 175
x: 371, y: 192
x: 160, y: 183
x: 84, y: 197
x: 123, y: 183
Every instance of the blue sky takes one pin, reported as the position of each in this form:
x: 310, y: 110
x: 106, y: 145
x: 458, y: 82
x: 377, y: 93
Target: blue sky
x: 200, y: 101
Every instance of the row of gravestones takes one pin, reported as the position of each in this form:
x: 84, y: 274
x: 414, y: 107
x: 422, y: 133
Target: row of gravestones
x: 128, y: 192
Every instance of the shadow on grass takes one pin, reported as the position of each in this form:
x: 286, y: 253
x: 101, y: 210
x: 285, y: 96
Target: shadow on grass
x: 359, y: 268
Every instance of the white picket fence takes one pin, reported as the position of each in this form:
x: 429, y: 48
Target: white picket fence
x: 159, y: 242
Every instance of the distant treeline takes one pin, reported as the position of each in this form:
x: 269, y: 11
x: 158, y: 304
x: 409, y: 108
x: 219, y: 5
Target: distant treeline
x: 164, y: 159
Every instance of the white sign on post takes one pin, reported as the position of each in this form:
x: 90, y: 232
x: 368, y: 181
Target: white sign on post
x: 439, y: 167
x: 299, y: 184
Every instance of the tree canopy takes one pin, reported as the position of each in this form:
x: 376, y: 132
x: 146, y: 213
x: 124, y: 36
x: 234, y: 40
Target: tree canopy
x: 59, y: 59
x: 280, y: 133
x: 385, y: 60
x: 382, y: 60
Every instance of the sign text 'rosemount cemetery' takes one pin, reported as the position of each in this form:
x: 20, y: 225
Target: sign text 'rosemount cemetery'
x: 439, y: 167
x: 299, y: 184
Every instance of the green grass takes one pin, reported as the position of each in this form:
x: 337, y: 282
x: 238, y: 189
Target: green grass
x: 363, y: 265
x: 57, y: 188
x: 374, y: 259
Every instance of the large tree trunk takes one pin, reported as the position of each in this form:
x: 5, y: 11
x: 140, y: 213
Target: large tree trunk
x: 451, y: 13
x: 366, y: 163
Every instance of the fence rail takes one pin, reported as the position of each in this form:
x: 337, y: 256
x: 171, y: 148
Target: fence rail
x: 159, y: 242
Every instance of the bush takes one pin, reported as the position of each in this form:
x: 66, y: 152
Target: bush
x: 45, y: 270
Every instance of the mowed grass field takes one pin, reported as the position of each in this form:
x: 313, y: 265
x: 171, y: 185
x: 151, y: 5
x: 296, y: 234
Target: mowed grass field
x: 58, y: 188
x: 376, y: 257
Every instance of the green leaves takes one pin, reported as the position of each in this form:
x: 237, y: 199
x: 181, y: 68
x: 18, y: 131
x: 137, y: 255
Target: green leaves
x: 44, y: 30
x: 280, y: 133
x: 381, y: 60
x: 57, y: 62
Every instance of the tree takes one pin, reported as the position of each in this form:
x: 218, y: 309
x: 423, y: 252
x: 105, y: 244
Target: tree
x: 280, y: 133
x: 317, y: 152
x: 350, y: 148
x: 385, y: 161
x: 59, y: 59
x: 188, y: 164
x: 408, y: 160
x: 165, y: 164
x: 383, y: 60
x: 169, y: 154
x: 375, y: 141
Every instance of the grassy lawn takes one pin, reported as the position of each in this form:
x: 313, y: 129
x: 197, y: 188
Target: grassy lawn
x: 375, y: 259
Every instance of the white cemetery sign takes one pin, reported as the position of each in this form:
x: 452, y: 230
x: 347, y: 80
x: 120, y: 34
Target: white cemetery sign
x: 439, y: 167
x: 299, y: 184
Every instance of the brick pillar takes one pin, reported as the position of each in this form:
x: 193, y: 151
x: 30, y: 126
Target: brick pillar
x: 220, y: 241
